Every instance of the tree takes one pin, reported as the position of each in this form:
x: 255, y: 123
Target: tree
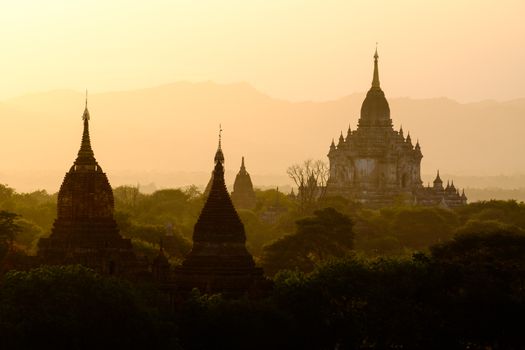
x: 310, y: 179
x: 127, y: 196
x: 487, y: 297
x: 9, y: 228
x: 420, y: 227
x: 325, y: 235
x: 72, y: 307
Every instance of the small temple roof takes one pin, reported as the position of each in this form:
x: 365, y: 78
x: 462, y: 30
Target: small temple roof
x: 438, y: 178
x: 409, y: 139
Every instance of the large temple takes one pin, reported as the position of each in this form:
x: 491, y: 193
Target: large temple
x: 219, y: 261
x: 85, y: 231
x: 378, y: 166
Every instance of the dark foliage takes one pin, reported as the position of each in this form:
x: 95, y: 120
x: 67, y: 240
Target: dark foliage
x: 74, y: 308
x: 326, y: 234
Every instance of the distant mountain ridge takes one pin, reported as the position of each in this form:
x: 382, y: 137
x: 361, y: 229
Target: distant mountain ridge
x: 173, y: 128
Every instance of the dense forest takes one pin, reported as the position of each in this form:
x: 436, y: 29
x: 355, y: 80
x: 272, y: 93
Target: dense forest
x: 345, y: 277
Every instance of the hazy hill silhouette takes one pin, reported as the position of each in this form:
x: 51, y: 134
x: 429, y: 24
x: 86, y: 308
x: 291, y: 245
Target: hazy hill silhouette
x: 173, y: 129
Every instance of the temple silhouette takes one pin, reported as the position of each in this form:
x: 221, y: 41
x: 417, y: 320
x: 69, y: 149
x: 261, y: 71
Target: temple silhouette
x: 219, y: 260
x: 374, y: 165
x: 243, y: 195
x: 85, y: 231
x: 378, y: 166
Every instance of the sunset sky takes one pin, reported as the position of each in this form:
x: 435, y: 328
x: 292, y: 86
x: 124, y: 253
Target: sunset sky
x: 293, y: 49
x: 162, y: 75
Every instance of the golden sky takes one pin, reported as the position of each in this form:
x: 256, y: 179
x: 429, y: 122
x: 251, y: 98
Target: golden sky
x: 292, y: 49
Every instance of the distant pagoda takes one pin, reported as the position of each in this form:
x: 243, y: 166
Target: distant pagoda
x: 85, y: 231
x: 243, y: 195
x: 219, y: 261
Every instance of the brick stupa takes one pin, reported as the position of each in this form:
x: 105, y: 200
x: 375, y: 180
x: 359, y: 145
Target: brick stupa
x: 219, y: 261
x: 85, y: 231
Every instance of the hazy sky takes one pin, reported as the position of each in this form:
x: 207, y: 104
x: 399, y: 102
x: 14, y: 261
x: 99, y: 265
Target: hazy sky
x: 293, y: 49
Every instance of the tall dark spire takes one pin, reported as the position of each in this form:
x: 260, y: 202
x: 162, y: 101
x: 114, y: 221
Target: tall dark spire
x: 85, y: 154
x: 375, y: 80
x: 219, y: 156
x: 243, y: 168
x: 219, y: 261
x: 218, y: 219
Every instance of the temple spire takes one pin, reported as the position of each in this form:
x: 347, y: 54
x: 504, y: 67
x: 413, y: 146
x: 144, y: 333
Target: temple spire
x: 85, y: 116
x: 375, y: 80
x: 438, y: 178
x: 85, y: 154
x: 219, y: 156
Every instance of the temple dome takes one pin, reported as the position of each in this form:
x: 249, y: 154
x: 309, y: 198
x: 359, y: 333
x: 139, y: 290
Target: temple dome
x: 375, y: 110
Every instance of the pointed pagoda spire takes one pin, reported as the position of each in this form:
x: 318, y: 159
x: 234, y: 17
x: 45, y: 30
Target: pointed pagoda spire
x: 85, y: 154
x: 243, y: 168
x: 341, y: 139
x: 218, y: 218
x: 409, y: 140
x: 332, y: 146
x: 375, y: 80
x: 401, y: 131
x: 349, y: 132
x: 375, y: 111
x: 219, y: 156
x: 418, y: 149
x: 218, y: 261
x: 438, y: 178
